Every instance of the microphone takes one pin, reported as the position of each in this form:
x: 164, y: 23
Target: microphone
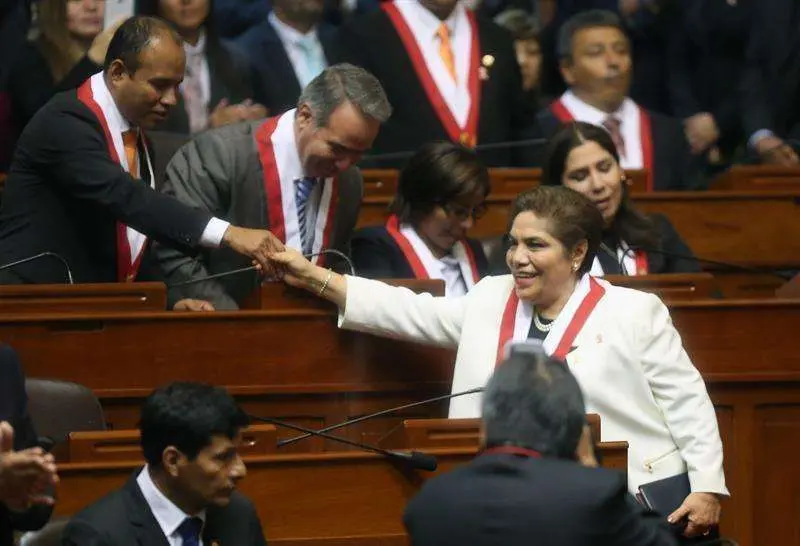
x: 415, y: 459
x: 480, y: 147
x: 332, y: 251
x: 381, y: 413
x: 38, y: 256
x: 726, y: 265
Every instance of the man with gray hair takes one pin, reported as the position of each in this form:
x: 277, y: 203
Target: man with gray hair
x: 293, y: 174
x: 535, y: 481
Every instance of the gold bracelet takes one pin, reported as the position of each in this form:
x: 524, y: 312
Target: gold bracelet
x: 325, y: 284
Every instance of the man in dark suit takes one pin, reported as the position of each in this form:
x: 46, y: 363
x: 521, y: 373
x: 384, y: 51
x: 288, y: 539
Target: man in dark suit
x: 449, y: 74
x: 771, y: 82
x: 74, y: 188
x: 535, y: 481
x: 190, y: 434
x: 292, y: 174
x: 25, y: 470
x: 288, y: 49
x: 596, y: 64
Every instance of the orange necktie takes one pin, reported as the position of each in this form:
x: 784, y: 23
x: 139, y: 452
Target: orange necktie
x: 129, y: 139
x: 446, y: 51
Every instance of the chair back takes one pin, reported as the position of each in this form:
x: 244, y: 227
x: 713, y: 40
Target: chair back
x: 59, y: 407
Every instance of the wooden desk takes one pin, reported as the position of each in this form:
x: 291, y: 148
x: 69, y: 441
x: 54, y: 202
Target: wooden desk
x: 759, y: 178
x: 77, y: 298
x: 309, y: 499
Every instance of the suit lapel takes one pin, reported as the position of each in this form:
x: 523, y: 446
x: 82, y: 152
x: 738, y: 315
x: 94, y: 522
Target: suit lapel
x: 216, y: 56
x: 279, y: 63
x: 147, y: 530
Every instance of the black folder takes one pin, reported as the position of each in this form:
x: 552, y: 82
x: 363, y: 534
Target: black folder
x: 665, y: 496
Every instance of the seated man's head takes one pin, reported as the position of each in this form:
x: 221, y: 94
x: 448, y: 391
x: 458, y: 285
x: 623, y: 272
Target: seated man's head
x: 595, y: 57
x: 338, y: 117
x: 533, y: 401
x: 441, y: 191
x: 143, y: 67
x: 190, y: 438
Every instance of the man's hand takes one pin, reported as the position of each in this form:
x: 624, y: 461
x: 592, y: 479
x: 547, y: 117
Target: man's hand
x: 24, y: 475
x: 258, y: 244
x: 190, y: 304
x: 775, y: 151
x: 702, y: 511
x: 701, y: 132
x: 225, y: 113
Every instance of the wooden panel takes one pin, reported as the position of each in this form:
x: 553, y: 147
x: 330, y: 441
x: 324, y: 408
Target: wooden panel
x: 758, y: 178
x: 670, y: 287
x: 76, y: 298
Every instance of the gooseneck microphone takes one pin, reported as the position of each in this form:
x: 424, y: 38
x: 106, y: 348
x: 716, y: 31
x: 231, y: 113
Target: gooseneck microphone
x: 415, y: 459
x: 381, y: 413
x: 232, y: 272
x: 405, y: 154
x: 46, y: 254
x: 727, y: 265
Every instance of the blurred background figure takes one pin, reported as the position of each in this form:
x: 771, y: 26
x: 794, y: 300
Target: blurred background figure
x: 524, y: 29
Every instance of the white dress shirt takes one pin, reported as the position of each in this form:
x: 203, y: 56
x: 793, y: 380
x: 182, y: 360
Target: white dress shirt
x: 630, y: 127
x: 168, y: 516
x: 214, y: 230
x: 448, y: 268
x: 304, y: 50
x: 196, y: 56
x: 424, y: 26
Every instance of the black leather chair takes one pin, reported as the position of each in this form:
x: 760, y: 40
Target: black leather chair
x: 59, y: 407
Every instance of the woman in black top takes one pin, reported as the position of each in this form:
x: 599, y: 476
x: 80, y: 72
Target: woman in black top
x: 583, y: 157
x: 441, y: 191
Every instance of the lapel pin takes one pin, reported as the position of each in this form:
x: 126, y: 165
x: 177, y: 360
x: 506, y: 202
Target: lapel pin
x: 599, y: 338
x: 487, y: 61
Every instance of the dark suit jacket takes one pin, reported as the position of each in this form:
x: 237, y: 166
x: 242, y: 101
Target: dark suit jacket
x: 279, y: 88
x: 507, y: 500
x: 14, y: 409
x: 219, y: 171
x: 675, y: 168
x: 372, y: 42
x: 706, y: 54
x: 771, y: 78
x: 65, y: 194
x: 123, y: 518
x: 673, y: 246
x: 377, y: 256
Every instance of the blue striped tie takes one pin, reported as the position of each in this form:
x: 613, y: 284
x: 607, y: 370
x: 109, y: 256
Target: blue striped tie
x: 302, y: 190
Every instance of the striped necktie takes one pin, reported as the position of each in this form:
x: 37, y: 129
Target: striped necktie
x: 302, y: 191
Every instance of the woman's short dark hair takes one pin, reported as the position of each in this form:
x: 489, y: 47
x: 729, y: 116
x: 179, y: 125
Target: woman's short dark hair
x: 438, y: 174
x: 519, y: 23
x: 187, y: 415
x: 572, y: 218
x: 629, y: 224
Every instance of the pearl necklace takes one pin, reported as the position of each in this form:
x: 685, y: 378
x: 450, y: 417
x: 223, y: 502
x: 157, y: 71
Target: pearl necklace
x: 541, y: 326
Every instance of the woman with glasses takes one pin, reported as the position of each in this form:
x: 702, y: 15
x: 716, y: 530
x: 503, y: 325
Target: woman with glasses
x: 582, y: 157
x: 441, y: 191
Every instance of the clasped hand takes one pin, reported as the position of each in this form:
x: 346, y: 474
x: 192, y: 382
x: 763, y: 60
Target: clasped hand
x: 25, y: 475
x: 702, y: 511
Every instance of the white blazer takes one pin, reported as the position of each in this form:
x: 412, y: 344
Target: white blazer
x: 628, y: 359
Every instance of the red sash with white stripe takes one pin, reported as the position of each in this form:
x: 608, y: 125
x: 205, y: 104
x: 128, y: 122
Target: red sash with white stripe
x: 413, y: 259
x: 273, y: 191
x: 127, y: 265
x: 570, y: 326
x: 467, y: 135
x: 646, y: 135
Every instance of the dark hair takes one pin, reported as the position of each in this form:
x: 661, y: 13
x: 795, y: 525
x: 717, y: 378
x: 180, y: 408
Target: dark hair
x: 573, y: 218
x: 629, y: 224
x: 152, y: 8
x: 533, y: 401
x: 439, y: 173
x: 134, y: 36
x: 592, y: 18
x: 186, y: 415
x: 519, y: 23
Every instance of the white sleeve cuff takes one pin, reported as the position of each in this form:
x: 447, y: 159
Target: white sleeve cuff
x: 758, y: 135
x: 214, y: 232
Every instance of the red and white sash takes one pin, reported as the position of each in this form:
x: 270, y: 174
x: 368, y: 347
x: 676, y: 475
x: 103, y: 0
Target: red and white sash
x: 468, y: 133
x: 561, y: 112
x: 422, y: 261
x: 634, y: 262
x: 95, y: 95
x: 277, y: 152
x: 518, y: 314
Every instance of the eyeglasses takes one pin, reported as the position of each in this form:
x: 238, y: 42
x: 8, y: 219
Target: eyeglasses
x: 464, y: 213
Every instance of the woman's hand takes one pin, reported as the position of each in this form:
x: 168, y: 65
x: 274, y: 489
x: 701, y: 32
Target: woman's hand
x: 701, y: 509
x: 295, y: 270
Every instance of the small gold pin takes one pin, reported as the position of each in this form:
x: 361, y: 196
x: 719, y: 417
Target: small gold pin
x: 487, y: 61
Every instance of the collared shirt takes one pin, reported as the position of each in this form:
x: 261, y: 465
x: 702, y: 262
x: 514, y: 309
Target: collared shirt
x: 196, y: 56
x: 424, y: 26
x: 304, y: 50
x: 214, y: 230
x: 447, y: 268
x: 628, y: 114
x: 168, y: 516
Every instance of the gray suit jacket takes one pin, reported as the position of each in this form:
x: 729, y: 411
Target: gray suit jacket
x: 220, y: 171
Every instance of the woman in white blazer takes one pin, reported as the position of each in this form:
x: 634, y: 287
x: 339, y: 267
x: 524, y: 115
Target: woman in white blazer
x: 619, y: 343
